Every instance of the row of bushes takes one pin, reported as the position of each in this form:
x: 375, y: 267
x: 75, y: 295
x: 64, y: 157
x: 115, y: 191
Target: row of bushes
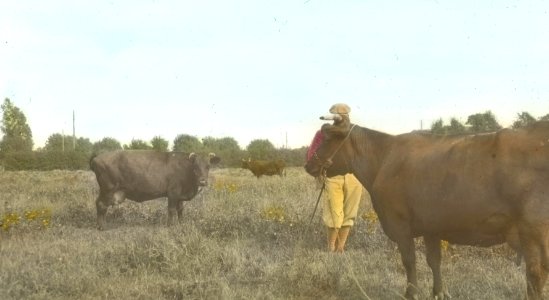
x: 45, y: 161
x: 75, y: 160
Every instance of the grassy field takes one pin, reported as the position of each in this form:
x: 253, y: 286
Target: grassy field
x: 242, y: 238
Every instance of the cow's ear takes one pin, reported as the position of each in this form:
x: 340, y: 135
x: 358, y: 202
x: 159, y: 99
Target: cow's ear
x: 330, y: 130
x: 214, y: 160
x: 192, y: 156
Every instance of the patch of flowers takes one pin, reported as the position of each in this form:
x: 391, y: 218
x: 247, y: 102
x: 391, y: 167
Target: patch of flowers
x: 274, y: 213
x: 221, y: 186
x: 38, y: 218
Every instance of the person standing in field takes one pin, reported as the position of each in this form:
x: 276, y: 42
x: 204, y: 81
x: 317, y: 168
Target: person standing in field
x: 342, y: 192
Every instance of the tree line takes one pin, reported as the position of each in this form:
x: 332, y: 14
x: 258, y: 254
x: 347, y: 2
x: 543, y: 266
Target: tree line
x: 67, y: 152
x: 62, y: 151
x: 480, y: 123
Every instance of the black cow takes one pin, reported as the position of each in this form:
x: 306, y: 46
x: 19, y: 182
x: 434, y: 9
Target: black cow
x: 147, y: 175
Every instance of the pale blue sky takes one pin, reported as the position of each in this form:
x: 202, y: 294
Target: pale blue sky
x: 268, y: 69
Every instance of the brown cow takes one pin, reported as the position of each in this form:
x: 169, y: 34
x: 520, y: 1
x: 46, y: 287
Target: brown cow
x: 478, y: 190
x: 264, y: 167
x: 147, y: 175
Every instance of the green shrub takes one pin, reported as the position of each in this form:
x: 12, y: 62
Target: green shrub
x: 45, y: 161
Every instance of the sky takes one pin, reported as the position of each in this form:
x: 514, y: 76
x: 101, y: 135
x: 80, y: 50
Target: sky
x: 268, y: 69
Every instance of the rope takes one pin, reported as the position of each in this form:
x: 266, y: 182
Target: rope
x: 318, y: 200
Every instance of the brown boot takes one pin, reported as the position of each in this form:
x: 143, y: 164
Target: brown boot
x: 332, y: 239
x: 342, y: 238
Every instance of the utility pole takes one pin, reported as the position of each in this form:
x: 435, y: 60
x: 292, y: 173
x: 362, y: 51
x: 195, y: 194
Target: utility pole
x: 73, y: 133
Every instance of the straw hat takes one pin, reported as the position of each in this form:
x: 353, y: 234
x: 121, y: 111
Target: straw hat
x: 340, y: 109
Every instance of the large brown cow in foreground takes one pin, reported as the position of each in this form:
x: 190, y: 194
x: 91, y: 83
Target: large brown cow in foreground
x: 264, y: 167
x: 147, y: 175
x: 479, y: 190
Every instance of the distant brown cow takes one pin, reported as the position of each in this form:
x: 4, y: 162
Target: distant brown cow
x: 264, y: 167
x: 147, y: 175
x: 478, y: 190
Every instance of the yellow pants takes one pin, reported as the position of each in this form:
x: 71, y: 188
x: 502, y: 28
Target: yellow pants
x: 340, y: 205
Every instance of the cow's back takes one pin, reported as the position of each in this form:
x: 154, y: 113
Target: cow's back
x: 527, y: 146
x: 121, y: 164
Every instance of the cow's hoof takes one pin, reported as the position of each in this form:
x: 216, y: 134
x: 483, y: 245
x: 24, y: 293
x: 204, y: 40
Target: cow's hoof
x: 442, y: 296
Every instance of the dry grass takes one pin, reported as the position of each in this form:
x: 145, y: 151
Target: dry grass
x: 242, y: 238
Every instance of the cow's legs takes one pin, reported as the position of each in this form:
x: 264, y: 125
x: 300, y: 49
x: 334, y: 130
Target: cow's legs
x: 172, y: 210
x: 180, y: 211
x: 534, y: 246
x: 432, y: 245
x: 408, y: 254
x: 513, y: 240
x: 101, y: 204
x: 533, y: 231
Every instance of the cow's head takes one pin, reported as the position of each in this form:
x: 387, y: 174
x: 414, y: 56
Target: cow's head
x: 332, y: 155
x: 201, y: 166
x: 245, y: 163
